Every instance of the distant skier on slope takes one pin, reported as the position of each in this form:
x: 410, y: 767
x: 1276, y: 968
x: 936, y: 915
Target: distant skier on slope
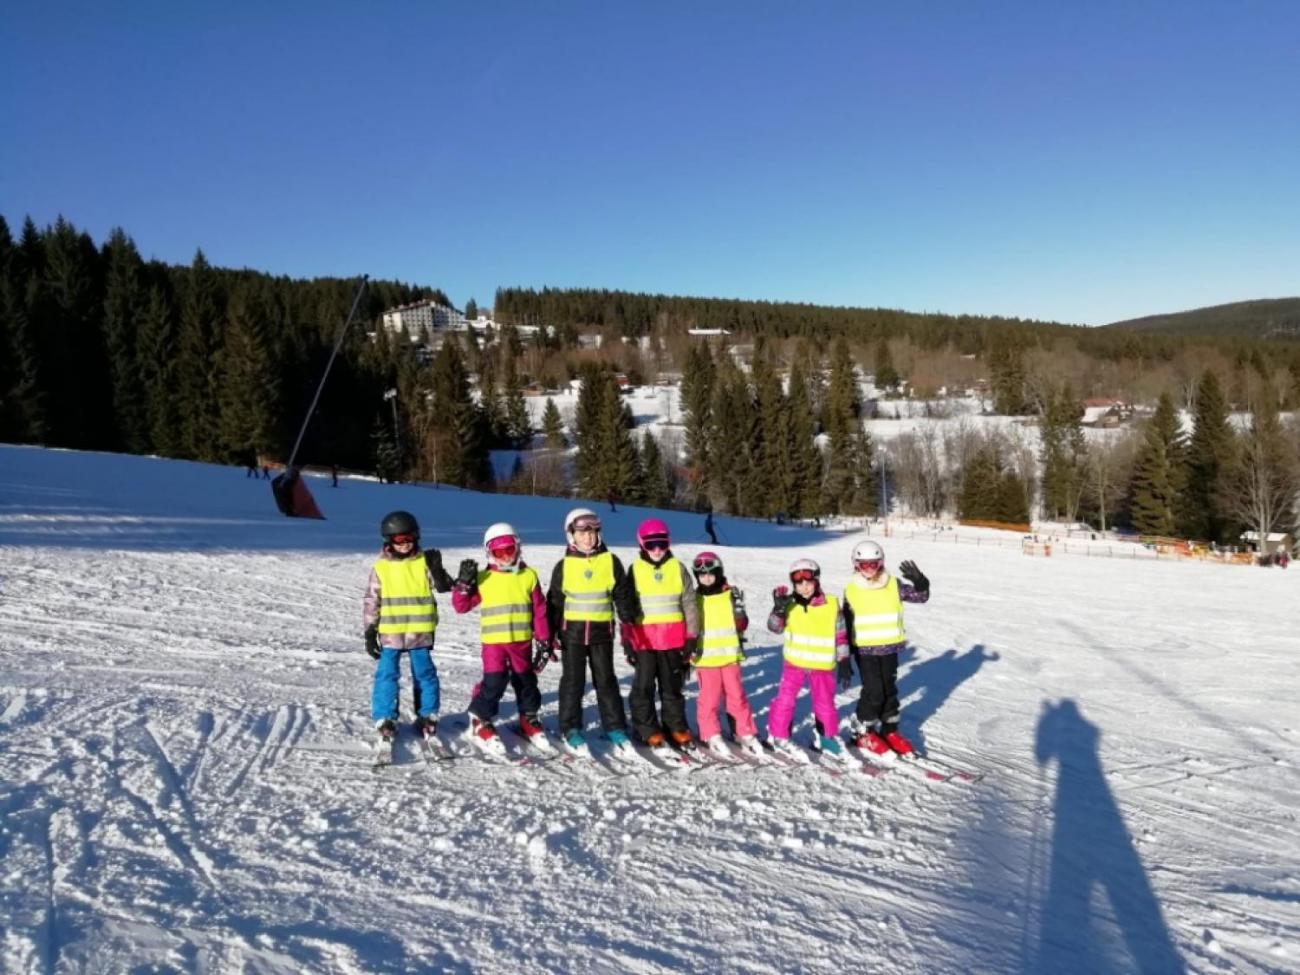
x: 815, y: 640
x: 873, y: 616
x: 662, y: 640
x: 400, y: 616
x: 717, y: 657
x: 512, y: 611
x: 588, y: 586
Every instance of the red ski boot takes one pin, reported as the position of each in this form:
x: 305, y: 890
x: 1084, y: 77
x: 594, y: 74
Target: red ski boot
x: 530, y: 727
x: 869, y: 741
x: 901, y: 746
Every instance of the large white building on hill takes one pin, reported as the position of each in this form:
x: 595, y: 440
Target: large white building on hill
x: 421, y: 315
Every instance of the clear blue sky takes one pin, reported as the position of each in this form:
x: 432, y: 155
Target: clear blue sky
x: 1081, y: 162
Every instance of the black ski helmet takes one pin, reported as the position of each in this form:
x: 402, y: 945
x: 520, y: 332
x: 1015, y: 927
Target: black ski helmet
x: 399, y: 523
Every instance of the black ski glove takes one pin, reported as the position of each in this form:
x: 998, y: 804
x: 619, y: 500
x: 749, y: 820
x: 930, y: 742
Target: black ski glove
x: 468, y: 574
x: 915, y: 576
x: 693, y: 650
x: 844, y: 673
x: 543, y: 653
x: 442, y: 580
x: 433, y: 559
x: 781, y: 600
x: 629, y: 654
x: 738, y: 602
x: 372, y: 641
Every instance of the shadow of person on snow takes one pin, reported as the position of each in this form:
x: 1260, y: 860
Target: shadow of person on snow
x: 934, y: 680
x: 1092, y: 854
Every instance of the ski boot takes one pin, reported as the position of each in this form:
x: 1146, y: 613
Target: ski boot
x: 717, y: 745
x: 386, y: 729
x: 683, y: 741
x: 485, y: 737
x: 787, y: 750
x: 830, y: 746
x: 530, y: 727
x: 898, y: 744
x: 622, y: 745
x: 426, y: 726
x: 866, y: 739
x: 575, y: 742
x: 752, y: 745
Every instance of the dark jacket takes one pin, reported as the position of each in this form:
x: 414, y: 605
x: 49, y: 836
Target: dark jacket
x: 585, y: 632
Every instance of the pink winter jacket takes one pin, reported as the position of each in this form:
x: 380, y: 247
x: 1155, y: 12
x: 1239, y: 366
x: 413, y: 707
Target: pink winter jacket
x: 666, y: 636
x: 464, y: 599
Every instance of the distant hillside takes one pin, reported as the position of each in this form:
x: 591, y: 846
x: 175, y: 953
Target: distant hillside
x: 1262, y: 319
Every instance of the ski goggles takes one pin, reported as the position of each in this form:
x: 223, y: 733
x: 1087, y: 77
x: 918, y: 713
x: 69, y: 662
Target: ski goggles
x: 803, y: 575
x: 869, y: 565
x: 404, y: 539
x: 585, y: 525
x: 656, y: 544
x: 506, y: 551
x: 705, y: 563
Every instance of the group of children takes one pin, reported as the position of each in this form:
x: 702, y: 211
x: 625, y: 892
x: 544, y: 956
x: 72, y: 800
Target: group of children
x: 668, y: 619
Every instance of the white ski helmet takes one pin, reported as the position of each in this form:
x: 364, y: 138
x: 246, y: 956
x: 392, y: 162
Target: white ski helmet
x: 501, y: 531
x: 806, y: 565
x: 868, y: 551
x: 585, y: 516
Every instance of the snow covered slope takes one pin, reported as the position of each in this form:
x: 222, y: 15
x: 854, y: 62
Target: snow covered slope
x: 184, y: 783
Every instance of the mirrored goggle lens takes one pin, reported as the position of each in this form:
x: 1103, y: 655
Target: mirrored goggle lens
x: 708, y: 565
x: 803, y: 575
x: 506, y: 551
x: 655, y: 543
x: 586, y: 526
x: 870, y: 565
x: 403, y: 539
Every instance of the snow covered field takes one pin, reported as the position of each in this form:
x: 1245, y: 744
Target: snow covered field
x: 185, y: 786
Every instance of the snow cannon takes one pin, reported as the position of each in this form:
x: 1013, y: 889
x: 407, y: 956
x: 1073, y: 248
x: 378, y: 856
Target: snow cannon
x: 292, y: 497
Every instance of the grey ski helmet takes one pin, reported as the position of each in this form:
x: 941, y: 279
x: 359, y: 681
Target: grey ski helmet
x: 399, y: 523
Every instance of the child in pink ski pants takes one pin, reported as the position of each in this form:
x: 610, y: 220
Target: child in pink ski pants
x: 719, y: 651
x: 825, y: 636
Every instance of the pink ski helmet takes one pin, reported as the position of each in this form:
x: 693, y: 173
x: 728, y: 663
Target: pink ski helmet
x: 707, y: 562
x: 501, y: 541
x: 653, y: 532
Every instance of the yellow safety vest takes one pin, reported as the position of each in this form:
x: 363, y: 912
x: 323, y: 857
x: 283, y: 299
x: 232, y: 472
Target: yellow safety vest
x: 719, y: 640
x: 810, y: 635
x: 660, y: 590
x: 506, y: 610
x: 877, y: 614
x: 588, y: 588
x: 406, y: 603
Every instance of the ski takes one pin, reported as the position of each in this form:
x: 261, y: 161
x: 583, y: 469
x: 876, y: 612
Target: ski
x: 434, y: 749
x: 795, y: 757
x: 939, y: 770
x: 539, y: 747
x: 758, y: 759
x: 383, y: 751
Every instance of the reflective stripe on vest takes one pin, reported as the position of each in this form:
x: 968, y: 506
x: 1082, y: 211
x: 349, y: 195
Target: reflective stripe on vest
x: 506, y: 612
x: 810, y: 635
x: 877, y: 614
x: 588, y: 587
x: 719, y: 642
x: 406, y: 603
x: 660, y: 590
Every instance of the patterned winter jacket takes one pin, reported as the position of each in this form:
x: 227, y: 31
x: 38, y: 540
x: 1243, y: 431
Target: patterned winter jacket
x: 438, y: 582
